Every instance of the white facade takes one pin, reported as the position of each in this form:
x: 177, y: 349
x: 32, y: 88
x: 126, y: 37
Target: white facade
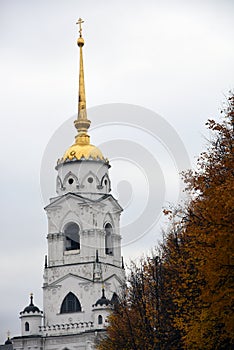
x: 84, y: 256
x: 75, y: 269
x: 30, y: 323
x: 73, y: 177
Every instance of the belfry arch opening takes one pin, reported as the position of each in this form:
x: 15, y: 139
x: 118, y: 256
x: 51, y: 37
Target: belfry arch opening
x: 72, y: 236
x: 108, y: 239
x: 70, y: 304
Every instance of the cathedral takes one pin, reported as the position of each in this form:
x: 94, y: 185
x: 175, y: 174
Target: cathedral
x: 83, y: 272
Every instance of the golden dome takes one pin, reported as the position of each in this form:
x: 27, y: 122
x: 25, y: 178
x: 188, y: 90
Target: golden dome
x: 83, y: 152
x: 82, y: 149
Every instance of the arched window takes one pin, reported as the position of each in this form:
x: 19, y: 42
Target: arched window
x: 115, y: 299
x: 108, y: 239
x: 70, y: 304
x: 100, y: 319
x: 72, y: 237
x: 26, y: 326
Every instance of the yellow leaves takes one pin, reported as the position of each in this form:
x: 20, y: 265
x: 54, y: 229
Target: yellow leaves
x: 200, y: 261
x: 184, y: 300
x: 204, y: 275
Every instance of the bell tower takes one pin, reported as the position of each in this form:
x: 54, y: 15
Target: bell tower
x: 83, y: 270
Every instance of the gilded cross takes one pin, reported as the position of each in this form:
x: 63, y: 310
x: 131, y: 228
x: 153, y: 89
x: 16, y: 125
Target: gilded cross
x: 80, y: 21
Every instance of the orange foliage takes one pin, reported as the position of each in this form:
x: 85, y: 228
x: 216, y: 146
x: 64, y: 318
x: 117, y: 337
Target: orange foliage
x: 184, y: 299
x: 203, y: 259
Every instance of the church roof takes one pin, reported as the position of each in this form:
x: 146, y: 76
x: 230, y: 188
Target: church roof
x: 103, y: 197
x: 103, y: 301
x: 79, y: 151
x: 8, y: 345
x: 31, y: 307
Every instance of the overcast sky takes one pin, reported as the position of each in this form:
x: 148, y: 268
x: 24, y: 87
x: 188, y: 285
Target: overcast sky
x: 174, y: 58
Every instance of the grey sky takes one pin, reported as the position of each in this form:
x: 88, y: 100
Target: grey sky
x: 173, y: 57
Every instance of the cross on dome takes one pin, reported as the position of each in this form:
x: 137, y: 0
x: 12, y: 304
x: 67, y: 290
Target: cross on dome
x: 79, y: 22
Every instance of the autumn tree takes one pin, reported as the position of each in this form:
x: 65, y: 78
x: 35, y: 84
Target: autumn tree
x: 131, y: 324
x: 142, y: 319
x: 182, y: 297
x: 202, y: 258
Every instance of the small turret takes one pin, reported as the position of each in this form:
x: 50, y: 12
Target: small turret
x: 8, y: 343
x: 101, y: 310
x: 31, y: 318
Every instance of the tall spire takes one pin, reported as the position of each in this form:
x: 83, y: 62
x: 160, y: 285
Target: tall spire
x: 82, y: 149
x: 81, y: 123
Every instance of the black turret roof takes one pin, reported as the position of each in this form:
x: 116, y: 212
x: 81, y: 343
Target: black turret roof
x: 103, y: 300
x: 8, y: 341
x: 31, y: 307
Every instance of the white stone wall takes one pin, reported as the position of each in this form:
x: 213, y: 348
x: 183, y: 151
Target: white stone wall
x: 34, y: 320
x: 79, y: 341
x: 73, y: 271
x: 84, y: 288
x: 73, y: 177
x: 91, y: 218
x: 104, y: 311
x: 89, y: 205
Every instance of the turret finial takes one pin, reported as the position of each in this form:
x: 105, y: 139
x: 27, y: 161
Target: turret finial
x: 31, y: 298
x: 81, y: 123
x: 8, y: 341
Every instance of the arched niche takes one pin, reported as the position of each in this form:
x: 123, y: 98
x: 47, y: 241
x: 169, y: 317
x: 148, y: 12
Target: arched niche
x: 105, y: 183
x: 70, y: 180
x: 90, y: 181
